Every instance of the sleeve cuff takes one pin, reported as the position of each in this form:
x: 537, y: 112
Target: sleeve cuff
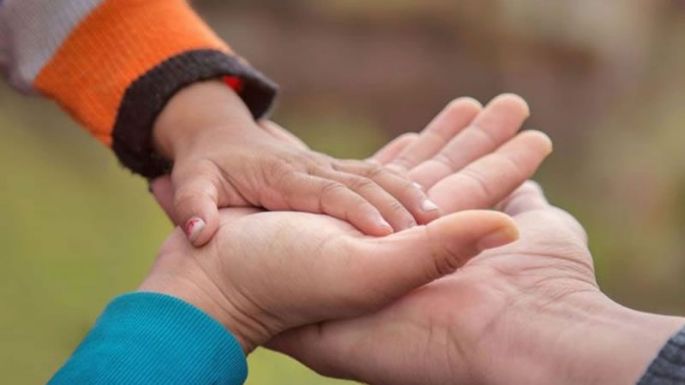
x: 151, y: 338
x: 145, y: 98
x: 668, y: 368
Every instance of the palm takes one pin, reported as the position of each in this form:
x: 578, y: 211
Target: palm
x: 466, y: 158
x: 467, y: 314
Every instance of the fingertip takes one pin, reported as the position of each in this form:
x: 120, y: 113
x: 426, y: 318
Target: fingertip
x: 201, y: 229
x: 500, y: 237
x: 541, y: 141
x: 376, y: 226
x: 193, y: 228
x: 512, y: 102
x: 464, y: 101
x: 476, y: 222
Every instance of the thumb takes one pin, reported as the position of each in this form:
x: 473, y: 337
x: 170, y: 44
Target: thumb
x: 163, y: 191
x: 195, y: 206
x: 412, y: 258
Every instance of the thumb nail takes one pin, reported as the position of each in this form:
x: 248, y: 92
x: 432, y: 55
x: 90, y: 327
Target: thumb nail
x: 499, y: 237
x: 193, y: 228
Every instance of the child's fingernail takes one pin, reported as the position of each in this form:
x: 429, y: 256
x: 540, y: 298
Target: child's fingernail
x: 498, y: 238
x: 384, y: 224
x: 418, y: 186
x: 193, y: 228
x: 429, y: 205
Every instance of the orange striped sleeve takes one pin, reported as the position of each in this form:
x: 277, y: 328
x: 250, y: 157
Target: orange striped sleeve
x: 119, y: 66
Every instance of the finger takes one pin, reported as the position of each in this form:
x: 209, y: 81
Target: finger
x: 497, y: 123
x: 455, y: 117
x: 404, y: 261
x: 392, y: 210
x: 163, y: 191
x: 491, y: 178
x: 410, y: 196
x: 380, y: 270
x: 388, y: 268
x: 393, y: 148
x: 315, y: 194
x: 282, y: 134
x: 196, y: 201
x: 526, y: 198
x: 531, y: 198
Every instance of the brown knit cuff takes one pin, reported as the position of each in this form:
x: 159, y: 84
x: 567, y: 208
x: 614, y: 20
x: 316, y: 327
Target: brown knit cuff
x: 146, y: 97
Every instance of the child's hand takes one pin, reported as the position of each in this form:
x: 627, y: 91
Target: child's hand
x: 222, y: 158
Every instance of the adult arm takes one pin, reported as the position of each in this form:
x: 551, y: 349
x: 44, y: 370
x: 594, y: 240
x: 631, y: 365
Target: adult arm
x: 114, y: 64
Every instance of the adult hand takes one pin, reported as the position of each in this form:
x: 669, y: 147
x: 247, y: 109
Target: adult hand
x: 270, y: 271
x: 526, y: 313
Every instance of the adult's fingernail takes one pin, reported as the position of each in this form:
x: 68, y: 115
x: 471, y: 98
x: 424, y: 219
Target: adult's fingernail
x: 497, y: 238
x: 429, y: 205
x: 193, y: 228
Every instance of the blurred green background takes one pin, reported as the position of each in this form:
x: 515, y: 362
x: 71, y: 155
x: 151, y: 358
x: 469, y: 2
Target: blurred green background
x: 604, y: 78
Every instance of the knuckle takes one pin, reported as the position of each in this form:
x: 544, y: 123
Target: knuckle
x: 444, y: 159
x: 397, y: 207
x: 446, y: 259
x: 373, y: 171
x: 410, y: 188
x: 402, y: 162
x: 275, y: 173
x: 331, y: 188
x: 478, y: 180
x: 361, y: 183
x: 487, y: 135
x: 184, y: 198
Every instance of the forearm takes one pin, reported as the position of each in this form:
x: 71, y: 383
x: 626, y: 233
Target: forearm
x: 113, y: 64
x: 147, y: 338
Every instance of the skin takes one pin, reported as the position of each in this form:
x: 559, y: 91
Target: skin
x: 255, y: 280
x: 530, y: 312
x: 222, y: 158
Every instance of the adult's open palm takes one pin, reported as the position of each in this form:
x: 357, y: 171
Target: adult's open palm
x: 484, y: 324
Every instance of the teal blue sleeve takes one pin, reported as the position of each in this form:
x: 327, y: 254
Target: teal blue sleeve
x: 150, y: 338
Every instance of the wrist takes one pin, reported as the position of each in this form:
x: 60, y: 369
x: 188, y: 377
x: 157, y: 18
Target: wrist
x: 200, y: 110
x: 620, y: 343
x: 181, y: 277
x: 587, y: 338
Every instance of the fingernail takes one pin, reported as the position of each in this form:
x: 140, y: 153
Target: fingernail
x: 429, y: 205
x: 418, y: 186
x: 410, y: 224
x: 498, y: 238
x: 380, y: 221
x: 193, y: 228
